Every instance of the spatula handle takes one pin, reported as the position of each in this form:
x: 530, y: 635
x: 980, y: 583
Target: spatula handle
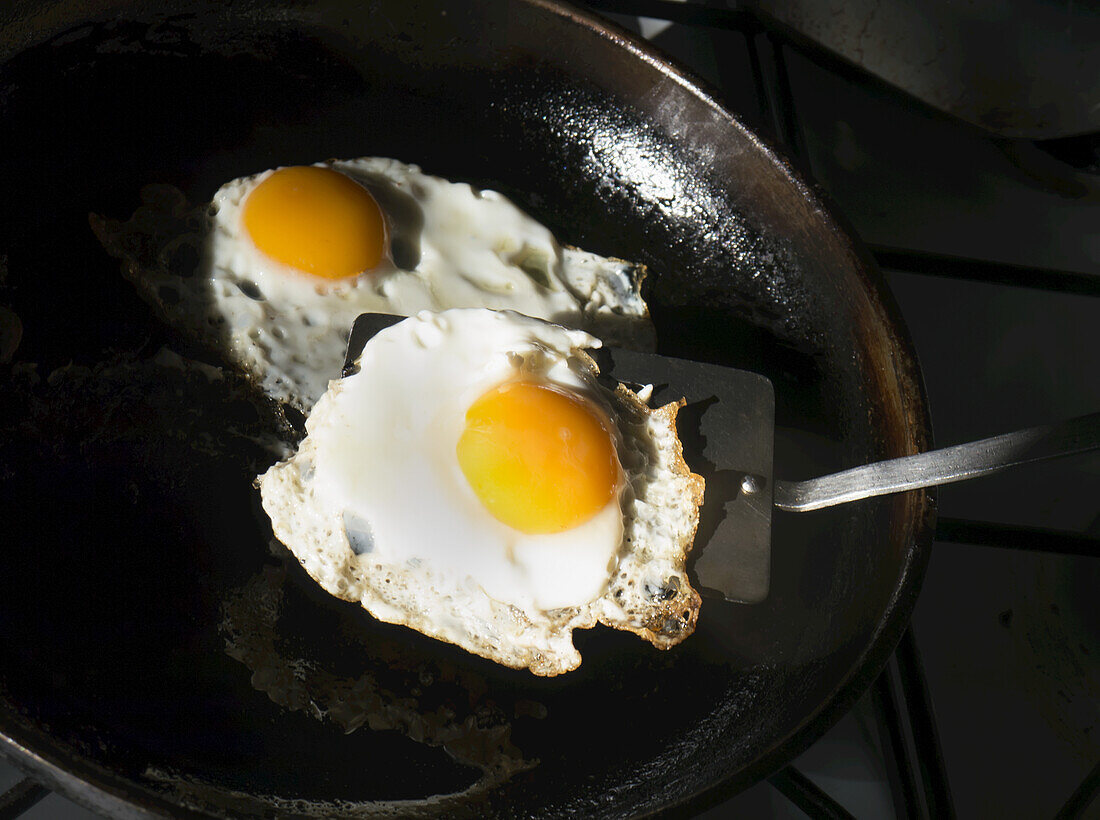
x: 958, y: 463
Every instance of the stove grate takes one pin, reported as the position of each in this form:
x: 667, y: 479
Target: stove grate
x: 21, y: 797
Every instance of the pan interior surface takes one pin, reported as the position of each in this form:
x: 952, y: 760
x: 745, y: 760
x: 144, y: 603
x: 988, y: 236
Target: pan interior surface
x: 154, y: 637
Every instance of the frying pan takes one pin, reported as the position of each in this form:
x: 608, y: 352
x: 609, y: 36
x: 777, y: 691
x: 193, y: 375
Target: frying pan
x: 159, y: 654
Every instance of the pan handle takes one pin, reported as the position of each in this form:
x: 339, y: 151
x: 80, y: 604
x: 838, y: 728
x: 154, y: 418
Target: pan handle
x: 958, y: 463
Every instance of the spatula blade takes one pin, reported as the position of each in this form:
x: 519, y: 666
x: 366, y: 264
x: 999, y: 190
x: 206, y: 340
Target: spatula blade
x: 727, y: 429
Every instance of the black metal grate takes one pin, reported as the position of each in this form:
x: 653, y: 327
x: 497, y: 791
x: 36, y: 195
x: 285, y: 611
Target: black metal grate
x: 20, y: 798
x: 900, y: 696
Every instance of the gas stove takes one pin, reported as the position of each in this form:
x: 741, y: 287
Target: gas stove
x: 990, y: 243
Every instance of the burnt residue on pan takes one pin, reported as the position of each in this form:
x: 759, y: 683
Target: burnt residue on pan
x: 113, y: 658
x: 374, y: 683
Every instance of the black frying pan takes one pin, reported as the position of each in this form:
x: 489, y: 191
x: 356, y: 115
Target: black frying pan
x: 158, y: 654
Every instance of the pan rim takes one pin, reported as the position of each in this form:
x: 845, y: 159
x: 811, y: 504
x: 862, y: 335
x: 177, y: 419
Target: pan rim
x: 48, y: 759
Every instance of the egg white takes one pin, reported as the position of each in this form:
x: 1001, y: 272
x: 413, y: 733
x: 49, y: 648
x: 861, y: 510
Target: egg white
x: 449, y: 245
x: 377, y: 510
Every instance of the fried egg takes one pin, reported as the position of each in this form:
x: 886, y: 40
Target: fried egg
x: 274, y: 271
x: 474, y: 481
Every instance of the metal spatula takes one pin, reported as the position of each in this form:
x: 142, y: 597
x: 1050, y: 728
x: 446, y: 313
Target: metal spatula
x: 728, y: 428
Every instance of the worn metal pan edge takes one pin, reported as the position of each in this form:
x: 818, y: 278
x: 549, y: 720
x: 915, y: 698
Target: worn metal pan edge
x: 892, y: 624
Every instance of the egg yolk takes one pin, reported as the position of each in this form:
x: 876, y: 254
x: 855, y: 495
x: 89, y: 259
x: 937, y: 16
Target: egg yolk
x: 316, y: 220
x: 540, y: 460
